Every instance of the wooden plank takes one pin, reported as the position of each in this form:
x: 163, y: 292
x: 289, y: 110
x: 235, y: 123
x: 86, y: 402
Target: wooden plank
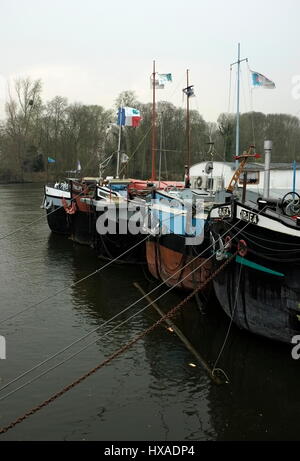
x: 181, y: 336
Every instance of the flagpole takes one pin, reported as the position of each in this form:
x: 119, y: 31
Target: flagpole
x: 119, y: 149
x: 153, y: 175
x: 237, y: 145
x: 119, y: 141
x: 160, y: 147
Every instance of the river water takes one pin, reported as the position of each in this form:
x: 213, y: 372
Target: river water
x: 148, y: 393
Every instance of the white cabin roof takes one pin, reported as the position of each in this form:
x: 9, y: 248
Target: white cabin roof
x: 281, y: 175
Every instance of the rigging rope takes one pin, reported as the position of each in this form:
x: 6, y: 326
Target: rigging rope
x: 230, y: 85
x: 123, y: 311
x: 228, y: 112
x: 74, y: 284
x: 134, y: 152
x: 116, y: 354
x: 251, y: 104
x: 229, y: 327
x: 111, y: 319
x: 2, y: 237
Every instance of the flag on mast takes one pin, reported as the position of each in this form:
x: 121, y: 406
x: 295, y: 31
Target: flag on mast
x: 51, y: 160
x: 164, y: 78
x: 189, y: 91
x: 160, y: 81
x: 128, y: 116
x: 260, y: 81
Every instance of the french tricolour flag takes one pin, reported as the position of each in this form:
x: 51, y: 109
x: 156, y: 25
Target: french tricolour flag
x: 128, y: 116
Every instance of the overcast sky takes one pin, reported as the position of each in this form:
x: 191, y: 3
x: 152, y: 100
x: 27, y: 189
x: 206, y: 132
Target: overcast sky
x: 91, y: 50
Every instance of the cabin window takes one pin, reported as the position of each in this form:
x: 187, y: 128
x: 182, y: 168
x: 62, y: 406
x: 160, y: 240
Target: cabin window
x: 252, y: 177
x: 210, y: 183
x: 103, y: 194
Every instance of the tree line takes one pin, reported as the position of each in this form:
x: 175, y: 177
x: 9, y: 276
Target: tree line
x: 34, y: 130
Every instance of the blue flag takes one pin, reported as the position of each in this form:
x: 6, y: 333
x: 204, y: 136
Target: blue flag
x: 51, y: 160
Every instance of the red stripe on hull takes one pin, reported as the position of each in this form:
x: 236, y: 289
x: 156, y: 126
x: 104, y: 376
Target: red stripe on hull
x: 169, y: 266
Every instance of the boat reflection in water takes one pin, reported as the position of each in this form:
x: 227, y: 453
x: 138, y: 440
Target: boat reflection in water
x: 76, y: 207
x: 153, y: 382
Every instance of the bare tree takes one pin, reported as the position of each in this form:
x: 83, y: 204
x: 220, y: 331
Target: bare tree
x: 23, y: 113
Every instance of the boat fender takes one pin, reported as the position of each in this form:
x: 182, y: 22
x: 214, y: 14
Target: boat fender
x: 221, y: 253
x: 228, y: 243
x: 48, y: 205
x: 242, y: 248
x: 213, y: 241
x: 69, y: 209
x: 199, y: 182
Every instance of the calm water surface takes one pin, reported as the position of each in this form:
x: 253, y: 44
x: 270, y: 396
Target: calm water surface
x: 150, y: 392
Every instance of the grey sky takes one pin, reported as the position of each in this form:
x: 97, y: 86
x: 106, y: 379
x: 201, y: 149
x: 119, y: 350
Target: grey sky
x: 90, y: 51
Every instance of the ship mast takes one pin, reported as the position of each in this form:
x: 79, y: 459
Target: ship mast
x: 119, y: 143
x: 153, y: 175
x: 188, y: 91
x: 188, y: 131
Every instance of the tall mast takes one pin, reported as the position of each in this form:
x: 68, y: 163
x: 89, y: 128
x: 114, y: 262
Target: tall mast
x: 160, y: 147
x: 188, y: 91
x: 188, y: 131
x: 237, y: 142
x: 153, y: 175
x: 119, y: 149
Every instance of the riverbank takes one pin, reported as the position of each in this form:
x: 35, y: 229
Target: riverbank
x: 28, y: 178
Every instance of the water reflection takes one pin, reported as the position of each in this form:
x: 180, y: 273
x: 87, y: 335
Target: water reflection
x: 165, y: 360
x: 263, y: 377
x: 150, y: 393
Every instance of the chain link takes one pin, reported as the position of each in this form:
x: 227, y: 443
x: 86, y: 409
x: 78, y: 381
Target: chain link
x: 116, y: 354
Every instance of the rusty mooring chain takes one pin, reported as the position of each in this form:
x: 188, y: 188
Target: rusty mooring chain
x: 116, y: 354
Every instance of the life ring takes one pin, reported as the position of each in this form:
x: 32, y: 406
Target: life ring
x: 242, y: 248
x: 209, y: 167
x: 69, y: 209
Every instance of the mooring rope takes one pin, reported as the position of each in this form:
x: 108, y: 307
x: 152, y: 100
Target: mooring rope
x: 229, y: 328
x: 88, y: 334
x: 114, y: 317
x: 2, y: 237
x: 116, y: 354
x: 75, y: 354
x: 73, y: 284
x: 124, y: 348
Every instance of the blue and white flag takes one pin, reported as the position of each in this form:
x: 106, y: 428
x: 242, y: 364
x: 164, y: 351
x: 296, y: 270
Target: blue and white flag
x: 128, y: 116
x: 51, y: 160
x: 260, y: 81
x: 160, y: 81
x: 164, y: 78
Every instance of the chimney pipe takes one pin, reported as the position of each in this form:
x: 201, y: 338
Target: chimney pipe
x: 268, y: 145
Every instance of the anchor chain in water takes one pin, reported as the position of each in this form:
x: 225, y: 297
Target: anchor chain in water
x: 116, y: 354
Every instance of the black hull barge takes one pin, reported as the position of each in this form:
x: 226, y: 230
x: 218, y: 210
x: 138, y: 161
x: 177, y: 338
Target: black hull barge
x: 260, y: 289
